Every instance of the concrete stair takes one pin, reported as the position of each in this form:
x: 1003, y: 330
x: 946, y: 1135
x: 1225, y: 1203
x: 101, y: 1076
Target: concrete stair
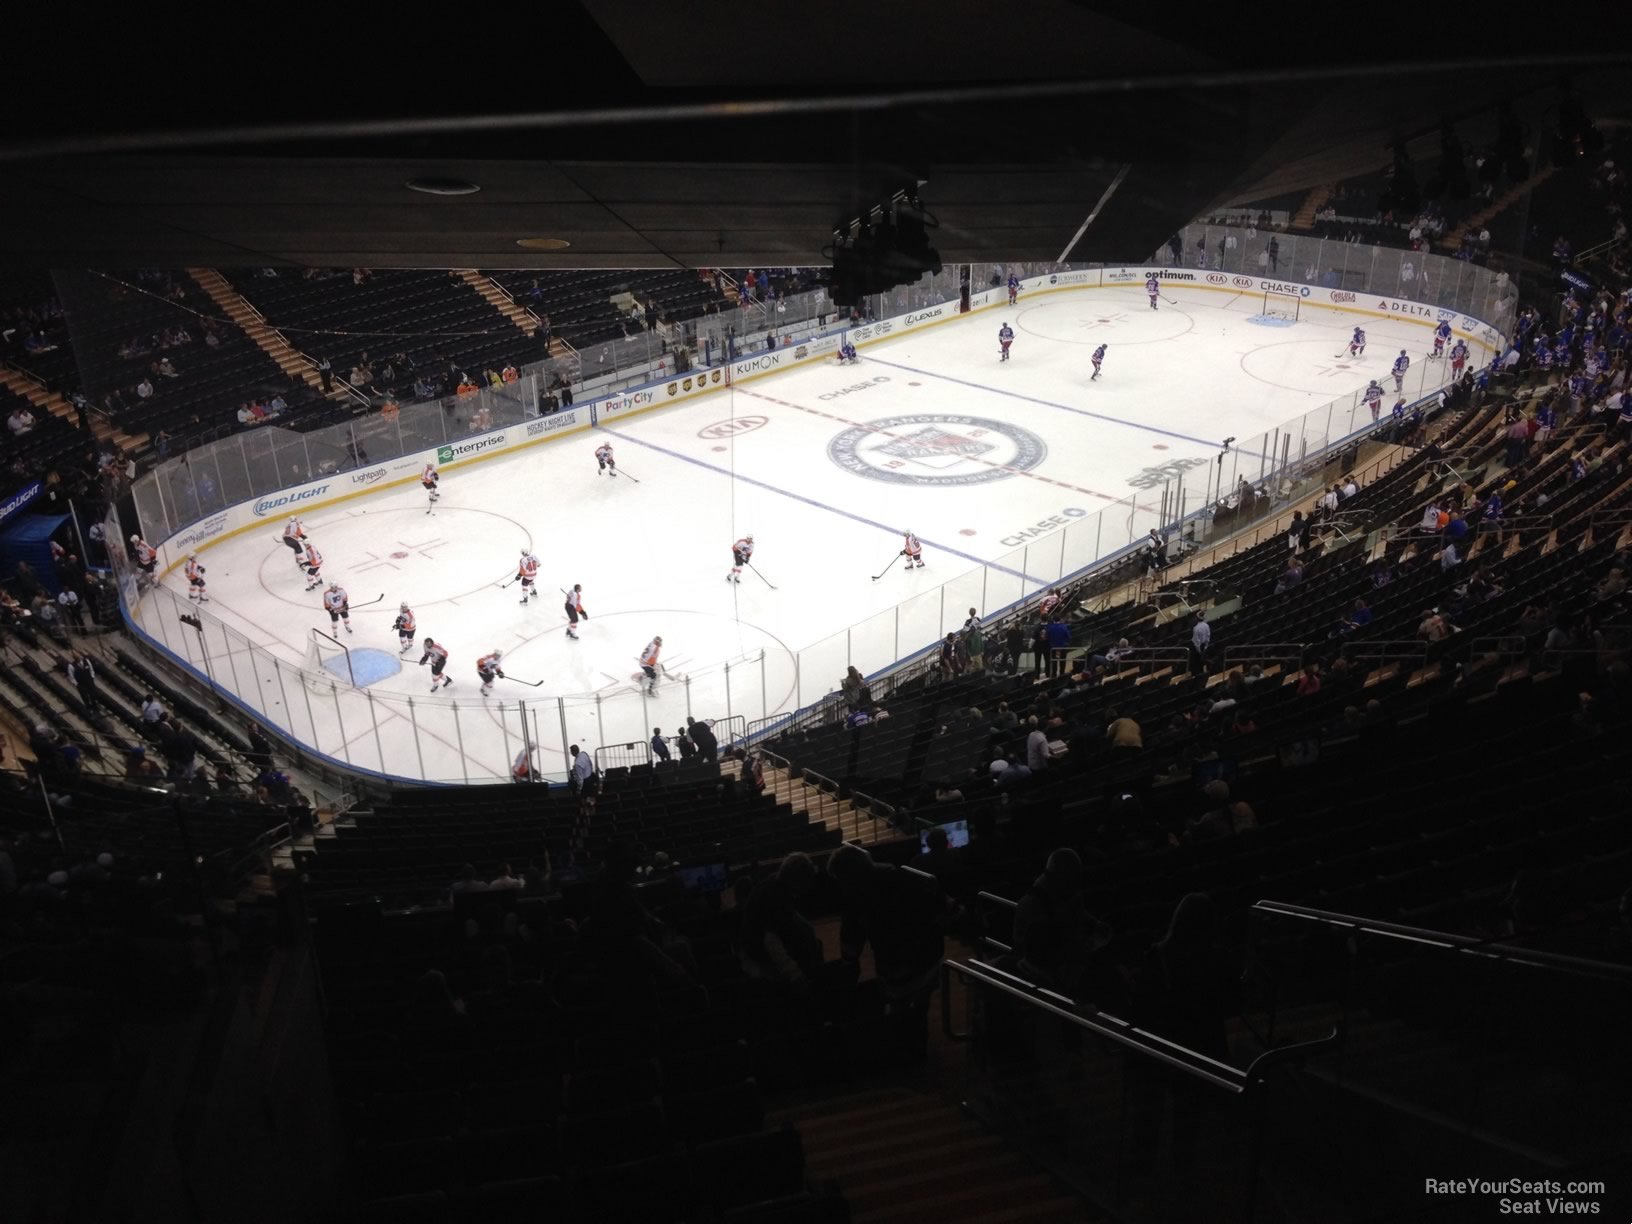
x: 1500, y: 204
x: 853, y: 824
x: 499, y: 299
x: 904, y: 1156
x: 57, y: 405
x: 1304, y: 219
x: 270, y: 340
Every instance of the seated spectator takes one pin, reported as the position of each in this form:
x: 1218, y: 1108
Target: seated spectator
x: 166, y: 369
x: 1123, y: 734
x: 1309, y: 680
x: 20, y: 422
x: 144, y: 389
x: 467, y: 881
x: 753, y: 773
x: 1358, y: 618
x: 1222, y: 817
x: 1290, y: 577
x: 507, y: 881
x: 1434, y: 627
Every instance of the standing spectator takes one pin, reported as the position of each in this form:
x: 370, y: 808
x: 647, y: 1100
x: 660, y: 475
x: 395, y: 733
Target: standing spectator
x: 581, y: 778
x: 708, y: 748
x: 1036, y: 746
x: 1201, y: 641
x: 1185, y: 990
x: 1057, y: 635
x: 776, y: 943
x: 752, y: 778
x: 68, y: 601
x: 1054, y: 934
x: 660, y: 750
x: 899, y: 914
x: 1518, y: 439
x: 83, y: 673
x: 974, y: 640
x: 684, y: 742
x: 152, y: 710
x: 325, y: 372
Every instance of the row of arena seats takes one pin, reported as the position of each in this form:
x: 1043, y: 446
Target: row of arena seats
x: 509, y: 1043
x: 433, y: 317
x: 49, y: 443
x: 579, y: 304
x: 410, y: 851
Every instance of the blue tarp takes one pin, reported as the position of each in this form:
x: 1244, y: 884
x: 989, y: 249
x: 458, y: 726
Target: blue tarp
x: 28, y: 538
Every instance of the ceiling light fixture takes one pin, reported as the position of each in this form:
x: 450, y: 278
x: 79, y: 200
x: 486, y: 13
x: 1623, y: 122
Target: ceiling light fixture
x: 434, y: 185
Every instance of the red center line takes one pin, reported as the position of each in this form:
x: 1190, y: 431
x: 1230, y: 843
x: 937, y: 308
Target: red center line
x: 1004, y: 467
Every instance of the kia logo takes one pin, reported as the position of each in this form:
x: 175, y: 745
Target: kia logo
x: 1214, y: 278
x: 729, y: 429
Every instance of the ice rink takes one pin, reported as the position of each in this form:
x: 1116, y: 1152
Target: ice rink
x: 999, y: 467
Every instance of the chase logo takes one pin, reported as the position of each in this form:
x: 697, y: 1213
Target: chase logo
x: 937, y: 449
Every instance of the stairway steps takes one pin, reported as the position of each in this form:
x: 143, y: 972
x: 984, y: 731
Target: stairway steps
x: 499, y: 300
x: 262, y: 334
x: 885, y: 1162
x: 852, y: 1124
x: 960, y: 1201
x: 888, y: 1180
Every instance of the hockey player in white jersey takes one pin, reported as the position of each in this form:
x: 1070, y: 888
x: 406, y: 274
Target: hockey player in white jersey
x: 527, y: 572
x: 195, y: 579
x: 430, y: 478
x: 604, y: 460
x: 1154, y: 288
x: 404, y: 625
x: 338, y: 605
x: 1402, y: 363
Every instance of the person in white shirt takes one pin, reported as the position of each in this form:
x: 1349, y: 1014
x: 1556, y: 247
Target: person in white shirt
x: 583, y: 769
x: 1036, y: 746
x: 507, y: 881
x: 152, y: 710
x: 1430, y: 517
x: 20, y: 422
x: 1201, y: 638
x: 1448, y: 558
x: 144, y: 389
x: 1350, y: 488
x: 1328, y: 500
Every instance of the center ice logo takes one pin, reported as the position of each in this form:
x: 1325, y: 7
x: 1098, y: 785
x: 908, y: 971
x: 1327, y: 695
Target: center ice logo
x: 937, y: 449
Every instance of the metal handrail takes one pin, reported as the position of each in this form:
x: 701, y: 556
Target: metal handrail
x: 1382, y: 651
x: 1264, y: 652
x: 1111, y: 1028
x: 1494, y: 950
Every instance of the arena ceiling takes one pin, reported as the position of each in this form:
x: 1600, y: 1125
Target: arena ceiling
x: 734, y: 133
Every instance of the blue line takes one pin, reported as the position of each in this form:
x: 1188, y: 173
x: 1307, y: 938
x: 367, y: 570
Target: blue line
x: 1032, y: 399
x: 810, y: 501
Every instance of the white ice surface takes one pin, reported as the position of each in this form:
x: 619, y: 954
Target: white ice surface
x: 652, y: 556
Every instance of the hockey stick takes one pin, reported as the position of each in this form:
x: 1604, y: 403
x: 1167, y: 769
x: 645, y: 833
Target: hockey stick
x: 508, y: 581
x: 371, y: 602
x: 887, y: 568
x: 528, y: 683
x: 762, y: 577
x: 625, y: 472
x: 1167, y: 299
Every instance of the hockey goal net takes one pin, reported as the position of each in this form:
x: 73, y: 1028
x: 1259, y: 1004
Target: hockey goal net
x: 1281, y: 305
x: 328, y: 663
